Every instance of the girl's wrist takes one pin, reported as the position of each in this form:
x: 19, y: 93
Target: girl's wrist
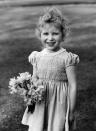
x: 72, y: 121
x: 71, y: 116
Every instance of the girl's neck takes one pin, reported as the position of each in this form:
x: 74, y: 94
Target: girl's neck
x: 53, y: 51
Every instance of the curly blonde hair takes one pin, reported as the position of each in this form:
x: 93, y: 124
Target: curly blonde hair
x: 54, y: 16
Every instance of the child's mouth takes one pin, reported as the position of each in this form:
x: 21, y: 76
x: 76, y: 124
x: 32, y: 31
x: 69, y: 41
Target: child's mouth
x: 50, y: 43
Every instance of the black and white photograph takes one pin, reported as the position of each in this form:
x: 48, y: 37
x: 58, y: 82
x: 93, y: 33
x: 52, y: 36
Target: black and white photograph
x: 47, y: 65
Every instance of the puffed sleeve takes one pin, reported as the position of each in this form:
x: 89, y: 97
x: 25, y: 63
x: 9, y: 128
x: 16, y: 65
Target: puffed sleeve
x: 71, y: 59
x: 32, y: 57
x: 33, y: 60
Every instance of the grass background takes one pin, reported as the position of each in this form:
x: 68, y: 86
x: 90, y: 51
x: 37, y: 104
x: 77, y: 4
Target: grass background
x: 17, y: 41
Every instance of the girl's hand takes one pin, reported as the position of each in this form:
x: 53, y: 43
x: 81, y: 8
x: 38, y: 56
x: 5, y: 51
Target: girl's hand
x: 72, y: 121
x: 31, y: 108
x: 71, y: 116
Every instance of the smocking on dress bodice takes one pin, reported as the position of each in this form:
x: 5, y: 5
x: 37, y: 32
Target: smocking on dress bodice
x: 52, y: 66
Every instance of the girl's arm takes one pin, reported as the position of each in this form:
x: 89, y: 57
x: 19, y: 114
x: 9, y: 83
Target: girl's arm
x: 71, y: 75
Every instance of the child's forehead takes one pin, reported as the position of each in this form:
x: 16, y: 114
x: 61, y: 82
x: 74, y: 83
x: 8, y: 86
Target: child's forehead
x: 50, y: 26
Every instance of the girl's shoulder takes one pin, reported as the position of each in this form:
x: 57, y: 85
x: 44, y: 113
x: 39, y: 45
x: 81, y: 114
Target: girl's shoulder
x: 70, y: 58
x: 69, y: 54
x: 35, y: 54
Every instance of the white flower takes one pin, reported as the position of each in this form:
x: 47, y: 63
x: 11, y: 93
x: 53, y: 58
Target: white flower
x: 24, y: 76
x: 12, y: 81
x: 12, y: 85
x: 13, y: 90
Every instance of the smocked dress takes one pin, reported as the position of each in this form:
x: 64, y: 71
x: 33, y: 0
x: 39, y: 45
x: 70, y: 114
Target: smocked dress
x: 50, y: 68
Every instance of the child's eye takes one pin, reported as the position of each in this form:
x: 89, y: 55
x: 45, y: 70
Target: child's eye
x: 45, y: 33
x: 55, y: 33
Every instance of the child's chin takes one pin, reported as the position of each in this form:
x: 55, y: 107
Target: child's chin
x: 51, y: 48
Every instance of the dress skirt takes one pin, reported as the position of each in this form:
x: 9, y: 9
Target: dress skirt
x: 51, y: 114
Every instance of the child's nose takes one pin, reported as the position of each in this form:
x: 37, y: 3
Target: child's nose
x: 50, y: 37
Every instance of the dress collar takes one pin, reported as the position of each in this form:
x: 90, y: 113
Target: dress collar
x: 45, y: 52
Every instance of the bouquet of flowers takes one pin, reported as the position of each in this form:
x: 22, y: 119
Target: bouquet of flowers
x: 27, y: 87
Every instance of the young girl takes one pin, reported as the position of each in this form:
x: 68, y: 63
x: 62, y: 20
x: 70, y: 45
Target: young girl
x: 55, y: 69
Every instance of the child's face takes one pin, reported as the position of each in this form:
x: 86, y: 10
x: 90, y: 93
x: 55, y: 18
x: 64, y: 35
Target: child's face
x: 51, y: 37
